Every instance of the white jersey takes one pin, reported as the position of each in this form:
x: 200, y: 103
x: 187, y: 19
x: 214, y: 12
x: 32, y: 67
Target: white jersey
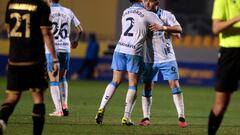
x: 159, y: 47
x: 62, y: 19
x: 135, y: 26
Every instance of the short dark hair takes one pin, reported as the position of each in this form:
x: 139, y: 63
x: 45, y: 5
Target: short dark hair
x: 133, y: 1
x: 55, y: 1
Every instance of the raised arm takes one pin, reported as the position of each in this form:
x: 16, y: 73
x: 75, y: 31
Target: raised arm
x: 170, y: 29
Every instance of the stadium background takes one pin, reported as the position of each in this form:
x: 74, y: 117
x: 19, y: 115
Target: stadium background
x: 196, y: 52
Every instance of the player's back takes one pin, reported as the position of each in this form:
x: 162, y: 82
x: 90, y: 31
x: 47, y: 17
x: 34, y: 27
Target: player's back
x: 135, y: 23
x: 25, y: 19
x: 61, y: 18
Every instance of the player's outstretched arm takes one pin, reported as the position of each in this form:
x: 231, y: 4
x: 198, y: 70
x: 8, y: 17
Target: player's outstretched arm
x: 221, y: 25
x: 74, y: 42
x: 48, y: 39
x: 169, y: 29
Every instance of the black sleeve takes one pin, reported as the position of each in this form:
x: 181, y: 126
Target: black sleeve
x: 44, y: 14
x: 7, y: 16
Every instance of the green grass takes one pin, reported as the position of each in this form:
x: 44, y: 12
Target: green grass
x: 84, y: 100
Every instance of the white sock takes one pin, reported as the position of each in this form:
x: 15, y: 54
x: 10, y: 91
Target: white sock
x: 146, y: 106
x: 130, y: 102
x: 109, y: 91
x: 179, y: 104
x: 55, y: 93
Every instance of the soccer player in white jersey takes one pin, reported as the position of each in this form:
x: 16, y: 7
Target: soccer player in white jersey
x: 128, y: 57
x: 62, y: 18
x: 161, y: 58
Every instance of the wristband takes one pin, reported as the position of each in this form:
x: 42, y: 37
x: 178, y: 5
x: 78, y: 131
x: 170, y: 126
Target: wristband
x: 165, y: 28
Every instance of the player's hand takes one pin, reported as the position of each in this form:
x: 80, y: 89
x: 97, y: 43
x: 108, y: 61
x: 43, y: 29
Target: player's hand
x: 74, y: 44
x: 155, y: 27
x: 56, y: 68
x: 237, y: 19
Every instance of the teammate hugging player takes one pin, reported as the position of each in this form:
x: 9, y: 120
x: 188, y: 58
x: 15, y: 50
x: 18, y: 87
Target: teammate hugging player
x: 160, y: 57
x: 128, y: 57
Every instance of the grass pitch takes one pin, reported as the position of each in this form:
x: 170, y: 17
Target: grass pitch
x: 84, y: 99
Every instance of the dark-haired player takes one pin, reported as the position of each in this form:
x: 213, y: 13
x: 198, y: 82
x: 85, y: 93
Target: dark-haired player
x: 160, y: 58
x: 128, y: 57
x: 29, y: 27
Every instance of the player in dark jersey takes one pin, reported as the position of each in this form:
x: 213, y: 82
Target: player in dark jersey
x: 29, y: 28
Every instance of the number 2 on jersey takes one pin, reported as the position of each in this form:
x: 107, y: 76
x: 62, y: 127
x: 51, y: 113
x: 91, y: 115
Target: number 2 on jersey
x: 19, y: 21
x: 127, y: 32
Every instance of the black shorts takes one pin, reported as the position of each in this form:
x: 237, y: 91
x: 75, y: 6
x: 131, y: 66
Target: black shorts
x: 20, y: 78
x: 228, y: 70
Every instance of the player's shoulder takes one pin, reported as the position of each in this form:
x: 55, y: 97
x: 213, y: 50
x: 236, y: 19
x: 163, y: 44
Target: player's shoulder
x: 66, y: 9
x: 166, y: 12
x: 149, y: 14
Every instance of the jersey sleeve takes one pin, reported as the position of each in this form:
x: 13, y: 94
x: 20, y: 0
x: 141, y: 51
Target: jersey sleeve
x: 75, y: 21
x: 44, y: 15
x: 7, y: 15
x: 153, y: 18
x: 218, y: 10
x: 171, y: 19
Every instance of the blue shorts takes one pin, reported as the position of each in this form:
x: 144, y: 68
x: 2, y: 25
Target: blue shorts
x: 63, y: 58
x: 169, y: 71
x: 126, y: 62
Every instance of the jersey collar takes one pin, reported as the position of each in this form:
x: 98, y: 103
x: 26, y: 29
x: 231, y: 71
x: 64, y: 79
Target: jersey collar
x: 137, y: 5
x: 55, y: 5
x: 159, y: 12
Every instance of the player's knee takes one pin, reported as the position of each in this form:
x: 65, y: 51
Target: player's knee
x: 38, y: 110
x: 173, y: 83
x: 176, y: 90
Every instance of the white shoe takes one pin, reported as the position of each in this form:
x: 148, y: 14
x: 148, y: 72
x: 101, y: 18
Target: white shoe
x: 56, y: 114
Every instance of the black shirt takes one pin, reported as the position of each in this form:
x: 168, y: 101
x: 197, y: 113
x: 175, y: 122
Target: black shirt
x: 25, y: 19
